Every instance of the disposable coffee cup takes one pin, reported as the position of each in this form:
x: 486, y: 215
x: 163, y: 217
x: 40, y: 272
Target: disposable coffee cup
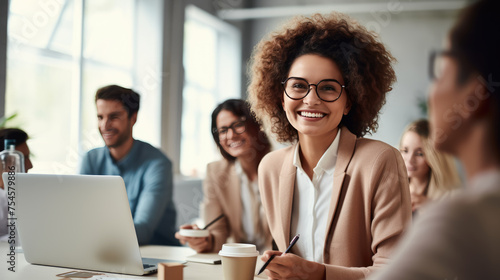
x: 238, y: 261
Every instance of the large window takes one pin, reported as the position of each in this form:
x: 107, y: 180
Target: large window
x: 212, y: 65
x: 60, y: 53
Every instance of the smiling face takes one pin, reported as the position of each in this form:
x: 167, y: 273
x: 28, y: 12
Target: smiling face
x: 237, y: 145
x: 414, y: 157
x: 311, y: 116
x: 114, y: 124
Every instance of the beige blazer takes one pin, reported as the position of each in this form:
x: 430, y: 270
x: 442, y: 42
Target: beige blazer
x: 369, y: 210
x: 222, y: 194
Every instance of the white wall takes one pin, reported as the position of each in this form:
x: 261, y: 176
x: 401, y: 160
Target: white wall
x: 411, y: 38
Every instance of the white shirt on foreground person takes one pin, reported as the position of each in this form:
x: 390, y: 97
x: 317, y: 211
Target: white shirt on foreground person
x: 455, y: 239
x: 311, y: 202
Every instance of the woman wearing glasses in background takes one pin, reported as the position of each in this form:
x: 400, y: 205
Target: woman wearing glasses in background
x: 230, y: 187
x: 320, y: 83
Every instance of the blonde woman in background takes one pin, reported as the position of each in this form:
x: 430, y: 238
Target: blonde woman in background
x: 432, y: 174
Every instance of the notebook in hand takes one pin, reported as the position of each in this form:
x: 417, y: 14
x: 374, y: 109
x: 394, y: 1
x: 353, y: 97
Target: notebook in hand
x: 78, y: 221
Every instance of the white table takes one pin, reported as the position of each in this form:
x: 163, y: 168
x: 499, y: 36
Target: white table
x: 192, y: 271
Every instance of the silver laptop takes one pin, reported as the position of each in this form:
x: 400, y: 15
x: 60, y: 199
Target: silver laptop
x: 78, y: 221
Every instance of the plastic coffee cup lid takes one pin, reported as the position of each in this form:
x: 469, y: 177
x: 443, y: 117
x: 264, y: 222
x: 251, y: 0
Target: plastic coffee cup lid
x: 238, y: 250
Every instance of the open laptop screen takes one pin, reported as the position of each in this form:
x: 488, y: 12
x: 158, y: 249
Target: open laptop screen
x: 77, y: 221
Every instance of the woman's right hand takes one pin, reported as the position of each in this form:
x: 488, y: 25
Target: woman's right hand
x: 290, y: 266
x: 199, y: 244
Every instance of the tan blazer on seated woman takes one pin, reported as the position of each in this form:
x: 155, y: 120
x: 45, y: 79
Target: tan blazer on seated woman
x: 230, y: 186
x: 222, y: 195
x: 370, y: 205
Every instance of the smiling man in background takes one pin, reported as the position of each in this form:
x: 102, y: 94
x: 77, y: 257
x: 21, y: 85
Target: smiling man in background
x: 147, y: 172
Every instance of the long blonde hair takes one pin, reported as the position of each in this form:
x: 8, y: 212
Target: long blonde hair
x: 444, y: 175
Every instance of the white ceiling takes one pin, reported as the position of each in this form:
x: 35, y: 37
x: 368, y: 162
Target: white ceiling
x: 349, y: 8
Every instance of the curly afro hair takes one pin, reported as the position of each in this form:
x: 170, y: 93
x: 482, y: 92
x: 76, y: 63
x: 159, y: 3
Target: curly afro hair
x: 365, y: 63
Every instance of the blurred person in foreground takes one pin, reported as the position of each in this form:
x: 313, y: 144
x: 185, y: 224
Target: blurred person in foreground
x: 433, y: 175
x: 230, y: 187
x: 146, y: 170
x: 459, y: 238
x: 21, y: 138
x: 320, y: 83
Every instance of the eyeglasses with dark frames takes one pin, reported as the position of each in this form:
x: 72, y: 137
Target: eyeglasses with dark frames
x: 328, y: 90
x: 436, y: 63
x: 238, y: 127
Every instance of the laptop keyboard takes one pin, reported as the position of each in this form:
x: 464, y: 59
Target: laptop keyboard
x: 145, y: 265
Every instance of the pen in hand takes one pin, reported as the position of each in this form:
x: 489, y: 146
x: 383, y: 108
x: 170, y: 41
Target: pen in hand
x: 294, y: 240
x: 215, y: 220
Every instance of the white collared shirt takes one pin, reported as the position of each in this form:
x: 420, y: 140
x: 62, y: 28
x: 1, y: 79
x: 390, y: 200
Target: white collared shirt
x: 311, y: 203
x: 246, y: 215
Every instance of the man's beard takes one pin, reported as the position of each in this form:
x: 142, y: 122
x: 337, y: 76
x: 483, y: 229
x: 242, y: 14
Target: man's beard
x: 122, y: 138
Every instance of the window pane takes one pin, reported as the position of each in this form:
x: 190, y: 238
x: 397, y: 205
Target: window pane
x: 39, y: 90
x: 109, y: 31
x: 32, y: 22
x: 62, y: 40
x: 198, y: 146
x: 53, y: 100
x: 199, y: 59
x: 39, y: 83
x: 212, y: 74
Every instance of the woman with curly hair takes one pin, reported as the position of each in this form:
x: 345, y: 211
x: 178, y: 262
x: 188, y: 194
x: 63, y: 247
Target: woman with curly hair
x: 319, y: 83
x: 432, y: 174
